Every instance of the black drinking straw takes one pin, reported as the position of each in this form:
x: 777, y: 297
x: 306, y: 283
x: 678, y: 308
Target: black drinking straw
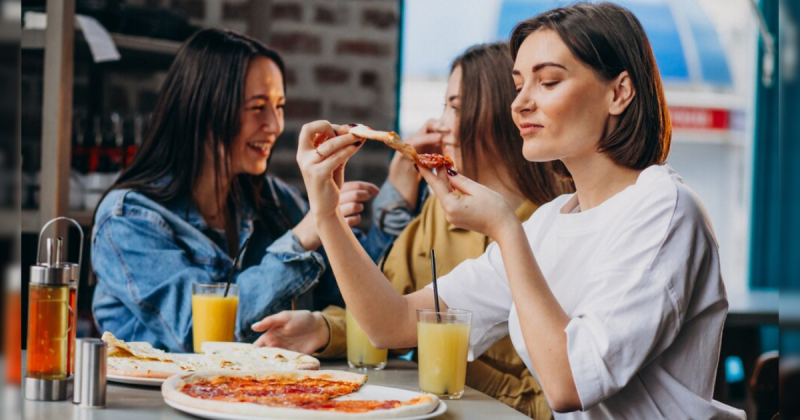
x: 435, y: 287
x: 233, y: 266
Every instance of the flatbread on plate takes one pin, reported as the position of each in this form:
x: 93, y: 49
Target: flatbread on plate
x: 245, y: 356
x: 141, y: 360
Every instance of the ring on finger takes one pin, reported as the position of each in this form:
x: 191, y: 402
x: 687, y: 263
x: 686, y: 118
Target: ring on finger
x: 320, y: 154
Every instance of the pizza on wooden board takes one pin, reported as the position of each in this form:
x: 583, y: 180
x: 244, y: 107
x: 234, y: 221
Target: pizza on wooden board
x: 287, y: 394
x: 393, y: 140
x: 141, y: 360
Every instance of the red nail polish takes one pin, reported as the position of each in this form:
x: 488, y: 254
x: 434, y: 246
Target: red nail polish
x: 416, y: 168
x: 356, y: 144
x: 451, y: 172
x: 352, y: 125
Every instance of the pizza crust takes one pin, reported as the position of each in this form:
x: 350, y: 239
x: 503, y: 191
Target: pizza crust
x: 365, y: 132
x: 390, y: 138
x: 171, y: 393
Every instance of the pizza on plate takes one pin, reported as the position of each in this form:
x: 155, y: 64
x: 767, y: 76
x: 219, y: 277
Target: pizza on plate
x: 286, y: 394
x: 141, y: 360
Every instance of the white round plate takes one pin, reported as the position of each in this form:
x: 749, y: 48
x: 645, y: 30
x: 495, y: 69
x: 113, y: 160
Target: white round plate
x: 367, y: 392
x: 130, y: 380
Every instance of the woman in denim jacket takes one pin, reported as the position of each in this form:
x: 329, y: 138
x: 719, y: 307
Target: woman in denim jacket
x: 197, y: 190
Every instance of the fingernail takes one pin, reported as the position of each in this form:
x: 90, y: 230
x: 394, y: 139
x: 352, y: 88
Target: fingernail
x: 254, y: 326
x: 416, y: 168
x: 451, y: 172
x: 352, y: 125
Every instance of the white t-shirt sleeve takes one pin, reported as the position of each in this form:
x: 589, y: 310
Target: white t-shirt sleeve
x: 608, y: 344
x: 638, y: 294
x: 480, y: 286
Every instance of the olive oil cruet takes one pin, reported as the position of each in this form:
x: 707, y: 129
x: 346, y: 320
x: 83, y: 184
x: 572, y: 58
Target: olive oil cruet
x: 51, y: 320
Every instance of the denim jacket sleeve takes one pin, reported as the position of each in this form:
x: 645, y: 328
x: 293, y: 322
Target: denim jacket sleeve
x: 137, y: 262
x: 149, y: 266
x: 391, y: 211
x: 286, y: 271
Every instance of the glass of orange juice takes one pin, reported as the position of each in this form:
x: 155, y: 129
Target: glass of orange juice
x: 442, y: 344
x: 213, y: 313
x: 360, y: 352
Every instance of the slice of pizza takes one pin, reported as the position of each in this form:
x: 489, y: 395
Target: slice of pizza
x: 393, y: 140
x: 286, y: 394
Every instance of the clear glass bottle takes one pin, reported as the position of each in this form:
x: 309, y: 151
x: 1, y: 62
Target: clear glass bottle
x: 48, y: 327
x: 51, y: 322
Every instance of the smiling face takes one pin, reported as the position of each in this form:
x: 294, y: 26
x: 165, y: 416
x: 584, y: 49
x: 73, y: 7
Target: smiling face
x: 562, y: 106
x: 261, y: 117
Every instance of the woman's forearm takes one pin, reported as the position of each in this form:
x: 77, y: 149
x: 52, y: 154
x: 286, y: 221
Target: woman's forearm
x: 405, y: 180
x: 542, y: 320
x: 306, y: 233
x: 385, y: 316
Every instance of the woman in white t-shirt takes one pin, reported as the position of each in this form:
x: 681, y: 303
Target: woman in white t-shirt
x: 612, y: 295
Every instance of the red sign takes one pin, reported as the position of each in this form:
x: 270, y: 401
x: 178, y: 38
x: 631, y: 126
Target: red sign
x: 692, y: 118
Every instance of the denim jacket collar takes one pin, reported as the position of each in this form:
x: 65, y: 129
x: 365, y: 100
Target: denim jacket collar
x: 188, y: 210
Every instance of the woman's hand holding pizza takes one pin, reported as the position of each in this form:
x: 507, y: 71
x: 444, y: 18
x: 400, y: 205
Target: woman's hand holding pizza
x: 428, y: 139
x: 322, y: 152
x: 469, y: 205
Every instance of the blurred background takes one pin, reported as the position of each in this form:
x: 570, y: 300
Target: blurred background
x: 75, y: 103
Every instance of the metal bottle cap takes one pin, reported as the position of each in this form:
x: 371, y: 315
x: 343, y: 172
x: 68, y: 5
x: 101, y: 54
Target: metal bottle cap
x: 93, y: 374
x: 50, y: 272
x: 55, y: 270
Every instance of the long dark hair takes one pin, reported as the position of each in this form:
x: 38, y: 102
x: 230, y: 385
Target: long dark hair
x: 609, y: 39
x: 485, y: 124
x: 200, y: 101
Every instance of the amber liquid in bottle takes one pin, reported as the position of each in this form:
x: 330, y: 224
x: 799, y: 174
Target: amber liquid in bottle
x: 73, y: 320
x: 48, y: 325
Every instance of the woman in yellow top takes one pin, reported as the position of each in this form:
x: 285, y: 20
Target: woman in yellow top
x: 476, y: 129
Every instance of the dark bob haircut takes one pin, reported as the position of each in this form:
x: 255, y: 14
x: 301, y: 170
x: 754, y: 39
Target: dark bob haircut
x: 485, y: 125
x: 609, y: 39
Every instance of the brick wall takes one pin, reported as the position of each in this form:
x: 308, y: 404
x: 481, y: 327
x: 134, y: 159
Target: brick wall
x: 341, y: 58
